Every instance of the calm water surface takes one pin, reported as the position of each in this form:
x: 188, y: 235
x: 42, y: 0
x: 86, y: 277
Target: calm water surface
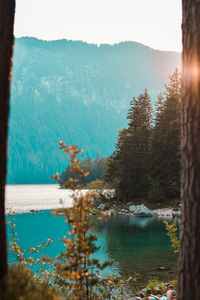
x: 134, y: 244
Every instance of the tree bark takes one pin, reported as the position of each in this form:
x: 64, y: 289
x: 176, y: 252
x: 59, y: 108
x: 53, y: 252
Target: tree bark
x: 189, y: 257
x: 7, y: 8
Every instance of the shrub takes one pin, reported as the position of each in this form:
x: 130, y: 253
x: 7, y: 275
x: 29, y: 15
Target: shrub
x: 20, y: 284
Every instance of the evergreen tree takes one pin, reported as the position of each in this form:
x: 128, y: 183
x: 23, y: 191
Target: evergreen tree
x: 112, y: 170
x: 146, y: 162
x: 128, y: 165
x: 134, y: 179
x: 165, y: 144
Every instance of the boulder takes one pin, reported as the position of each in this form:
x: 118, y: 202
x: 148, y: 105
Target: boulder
x: 176, y: 214
x: 124, y: 211
x: 109, y: 212
x: 143, y: 211
x: 132, y: 208
x: 102, y: 206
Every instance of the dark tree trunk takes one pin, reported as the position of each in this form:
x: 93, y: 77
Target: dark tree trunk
x: 189, y: 258
x: 7, y: 8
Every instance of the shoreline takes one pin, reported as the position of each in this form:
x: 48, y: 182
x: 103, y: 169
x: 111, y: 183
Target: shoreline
x: 161, y: 213
x: 165, y: 213
x: 34, y: 198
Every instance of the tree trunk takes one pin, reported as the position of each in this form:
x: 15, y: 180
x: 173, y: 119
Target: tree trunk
x: 7, y: 8
x: 189, y: 258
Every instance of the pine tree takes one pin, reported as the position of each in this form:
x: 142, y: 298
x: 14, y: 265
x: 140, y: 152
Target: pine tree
x: 165, y: 144
x: 112, y: 170
x: 128, y: 165
x: 134, y: 161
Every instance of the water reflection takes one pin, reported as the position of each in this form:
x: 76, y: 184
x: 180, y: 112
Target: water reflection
x: 140, y: 222
x: 140, y: 245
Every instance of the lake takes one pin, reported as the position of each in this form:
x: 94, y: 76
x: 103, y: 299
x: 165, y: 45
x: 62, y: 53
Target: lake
x: 133, y: 244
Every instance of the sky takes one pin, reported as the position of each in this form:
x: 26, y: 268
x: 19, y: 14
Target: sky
x: 155, y: 23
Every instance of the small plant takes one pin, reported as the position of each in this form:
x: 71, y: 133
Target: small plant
x: 96, y: 185
x: 21, y: 284
x: 76, y: 269
x: 113, y: 287
x: 23, y: 255
x: 60, y: 211
x: 157, y: 287
x: 172, y: 233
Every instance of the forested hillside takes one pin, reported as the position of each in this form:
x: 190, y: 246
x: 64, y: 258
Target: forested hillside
x: 76, y: 92
x: 146, y: 162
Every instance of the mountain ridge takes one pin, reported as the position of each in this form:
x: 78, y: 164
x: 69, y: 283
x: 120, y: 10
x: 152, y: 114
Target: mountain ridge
x: 95, y: 44
x: 77, y: 92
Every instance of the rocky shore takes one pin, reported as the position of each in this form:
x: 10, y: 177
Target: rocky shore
x: 138, y: 211
x: 141, y: 211
x: 106, y: 203
x: 34, y: 198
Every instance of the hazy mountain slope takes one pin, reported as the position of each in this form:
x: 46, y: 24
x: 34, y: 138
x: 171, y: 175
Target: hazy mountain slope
x: 77, y: 92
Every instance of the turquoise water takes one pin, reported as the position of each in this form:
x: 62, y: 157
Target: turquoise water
x: 134, y: 244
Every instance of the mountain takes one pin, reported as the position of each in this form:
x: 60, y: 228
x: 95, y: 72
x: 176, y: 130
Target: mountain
x: 76, y: 92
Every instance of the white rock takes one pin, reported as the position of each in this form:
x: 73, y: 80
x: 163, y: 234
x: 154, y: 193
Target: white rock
x: 132, y: 208
x: 101, y: 206
x: 143, y: 211
x: 176, y: 214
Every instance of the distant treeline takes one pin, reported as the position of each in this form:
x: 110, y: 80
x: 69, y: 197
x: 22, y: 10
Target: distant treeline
x: 146, y: 162
x: 95, y: 168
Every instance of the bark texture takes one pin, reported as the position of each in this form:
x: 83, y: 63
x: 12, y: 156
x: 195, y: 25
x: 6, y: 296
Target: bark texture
x: 7, y: 8
x: 189, y: 258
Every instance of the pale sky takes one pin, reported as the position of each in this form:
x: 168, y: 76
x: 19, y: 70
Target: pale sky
x: 155, y: 23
